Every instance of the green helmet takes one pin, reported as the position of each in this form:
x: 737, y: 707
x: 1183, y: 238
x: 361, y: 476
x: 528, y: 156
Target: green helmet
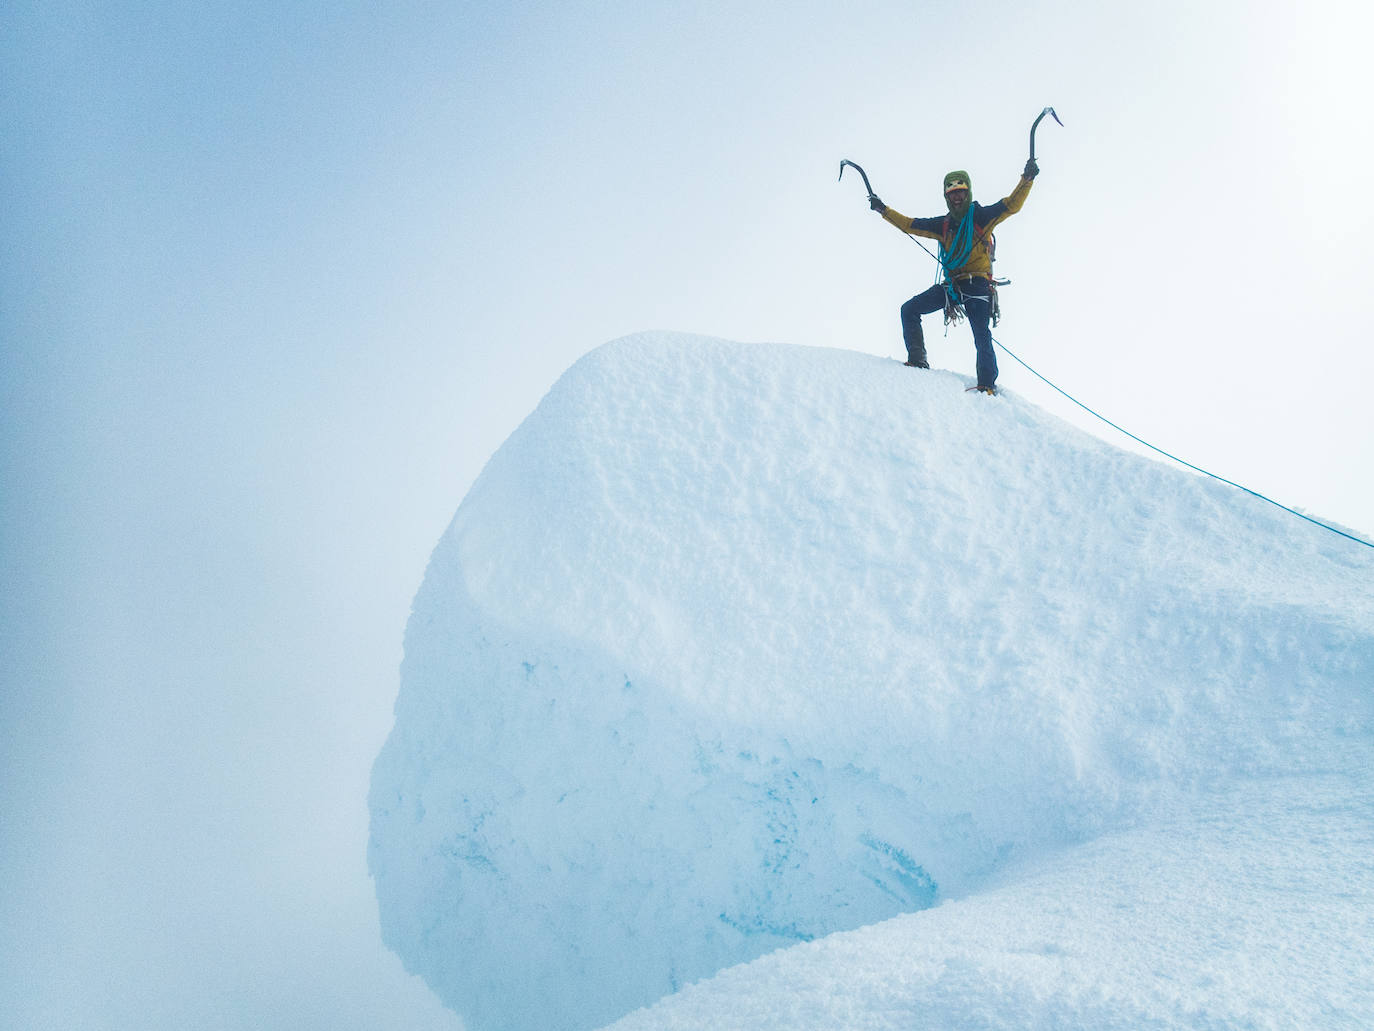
x: 958, y: 180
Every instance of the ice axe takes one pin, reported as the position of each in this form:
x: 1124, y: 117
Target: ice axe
x: 856, y: 168
x: 873, y: 196
x: 1035, y: 125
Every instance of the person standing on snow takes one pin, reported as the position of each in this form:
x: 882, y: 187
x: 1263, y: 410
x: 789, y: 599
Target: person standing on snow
x: 965, y: 236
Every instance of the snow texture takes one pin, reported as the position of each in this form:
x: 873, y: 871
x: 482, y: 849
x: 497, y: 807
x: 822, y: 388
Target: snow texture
x: 733, y: 647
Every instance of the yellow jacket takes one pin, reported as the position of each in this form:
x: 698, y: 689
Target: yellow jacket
x: 985, y: 219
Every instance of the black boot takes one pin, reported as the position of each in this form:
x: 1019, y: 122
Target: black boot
x: 911, y: 328
x: 915, y: 346
x: 916, y: 350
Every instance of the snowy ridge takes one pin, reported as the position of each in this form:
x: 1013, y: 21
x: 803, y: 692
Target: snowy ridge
x: 733, y: 646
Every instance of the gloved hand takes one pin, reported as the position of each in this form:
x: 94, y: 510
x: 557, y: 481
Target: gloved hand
x: 876, y: 203
x: 1032, y: 169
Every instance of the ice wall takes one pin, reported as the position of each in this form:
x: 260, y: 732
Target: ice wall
x: 733, y: 646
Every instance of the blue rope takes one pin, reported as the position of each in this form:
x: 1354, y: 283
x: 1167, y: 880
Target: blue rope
x: 1175, y: 458
x: 955, y: 256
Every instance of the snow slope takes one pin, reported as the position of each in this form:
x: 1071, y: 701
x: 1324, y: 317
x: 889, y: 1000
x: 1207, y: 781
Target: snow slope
x: 733, y: 647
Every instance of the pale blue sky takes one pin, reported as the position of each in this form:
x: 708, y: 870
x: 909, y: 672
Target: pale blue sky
x: 278, y: 279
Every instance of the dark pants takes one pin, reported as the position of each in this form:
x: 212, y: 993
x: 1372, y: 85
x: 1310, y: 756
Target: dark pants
x: 974, y: 294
